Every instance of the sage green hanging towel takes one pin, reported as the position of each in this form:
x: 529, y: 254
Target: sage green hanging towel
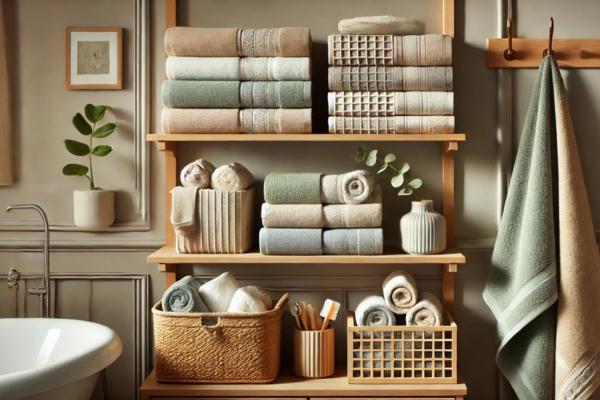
x: 522, y: 284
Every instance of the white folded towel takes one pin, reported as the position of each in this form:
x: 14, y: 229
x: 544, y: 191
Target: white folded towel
x: 250, y: 299
x: 400, y: 291
x: 427, y: 312
x: 218, y: 292
x: 183, y: 209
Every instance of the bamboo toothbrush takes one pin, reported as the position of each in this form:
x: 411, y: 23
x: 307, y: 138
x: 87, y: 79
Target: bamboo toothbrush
x: 329, y: 312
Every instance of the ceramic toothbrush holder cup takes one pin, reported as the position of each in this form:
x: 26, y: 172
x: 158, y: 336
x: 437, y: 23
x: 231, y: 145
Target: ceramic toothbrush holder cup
x: 313, y: 353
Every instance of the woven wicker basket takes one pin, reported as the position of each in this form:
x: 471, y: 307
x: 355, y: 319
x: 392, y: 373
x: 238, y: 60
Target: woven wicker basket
x: 240, y: 348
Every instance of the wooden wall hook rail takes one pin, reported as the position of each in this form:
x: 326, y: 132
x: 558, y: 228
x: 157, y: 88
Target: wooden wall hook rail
x: 528, y: 53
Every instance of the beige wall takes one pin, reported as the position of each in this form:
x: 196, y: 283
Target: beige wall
x: 43, y: 110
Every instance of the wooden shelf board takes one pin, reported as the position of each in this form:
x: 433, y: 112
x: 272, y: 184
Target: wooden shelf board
x: 288, y: 384
x: 314, y: 137
x: 168, y: 255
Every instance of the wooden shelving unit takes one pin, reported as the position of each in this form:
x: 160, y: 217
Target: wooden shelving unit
x: 287, y: 385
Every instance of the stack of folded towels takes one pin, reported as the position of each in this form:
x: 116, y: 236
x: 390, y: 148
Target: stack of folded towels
x: 387, y: 77
x: 400, y: 302
x: 312, y: 213
x: 230, y: 80
x: 221, y: 294
x: 212, y: 212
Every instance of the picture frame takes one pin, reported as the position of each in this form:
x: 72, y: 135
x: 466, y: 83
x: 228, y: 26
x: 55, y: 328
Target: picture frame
x: 94, y: 58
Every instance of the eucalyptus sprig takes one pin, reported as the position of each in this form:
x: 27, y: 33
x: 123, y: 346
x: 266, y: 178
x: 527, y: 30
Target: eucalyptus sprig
x: 399, y: 174
x: 94, y: 114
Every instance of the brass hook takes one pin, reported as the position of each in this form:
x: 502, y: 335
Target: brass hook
x: 509, y: 54
x: 549, y: 49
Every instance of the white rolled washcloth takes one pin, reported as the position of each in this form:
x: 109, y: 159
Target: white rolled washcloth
x: 218, y: 292
x: 197, y: 174
x: 400, y: 291
x: 250, y: 299
x: 372, y: 311
x: 427, y: 312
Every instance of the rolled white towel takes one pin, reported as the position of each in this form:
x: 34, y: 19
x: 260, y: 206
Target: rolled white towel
x: 197, y: 174
x: 218, y: 292
x: 355, y: 187
x: 233, y: 176
x: 400, y: 291
x: 250, y: 299
x: 372, y: 311
x: 427, y: 312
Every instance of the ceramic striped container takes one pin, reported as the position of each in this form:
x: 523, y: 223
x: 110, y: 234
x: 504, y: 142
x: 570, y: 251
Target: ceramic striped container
x: 422, y: 230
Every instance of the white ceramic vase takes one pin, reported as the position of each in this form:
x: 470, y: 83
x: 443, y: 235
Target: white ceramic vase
x: 94, y: 208
x: 422, y: 230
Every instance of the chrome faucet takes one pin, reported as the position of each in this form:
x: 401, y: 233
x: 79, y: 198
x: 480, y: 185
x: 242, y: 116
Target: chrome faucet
x: 44, y: 290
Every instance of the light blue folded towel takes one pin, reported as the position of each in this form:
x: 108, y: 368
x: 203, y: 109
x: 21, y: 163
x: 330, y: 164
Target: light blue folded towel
x: 183, y: 296
x: 290, y: 241
x: 360, y: 241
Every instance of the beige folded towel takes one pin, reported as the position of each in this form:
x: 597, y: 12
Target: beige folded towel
x: 280, y: 120
x: 352, y: 215
x: 375, y: 78
x: 385, y: 104
x: 400, y: 291
x: 197, y: 174
x: 430, y: 124
x: 381, y: 25
x: 233, y: 176
x: 292, y: 215
x: 205, y: 121
x: 427, y: 312
x: 274, y: 42
x: 250, y: 299
x: 183, y: 210
x: 388, y: 50
x: 218, y: 292
x: 204, y: 42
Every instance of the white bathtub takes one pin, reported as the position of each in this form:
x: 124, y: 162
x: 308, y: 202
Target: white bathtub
x: 53, y: 358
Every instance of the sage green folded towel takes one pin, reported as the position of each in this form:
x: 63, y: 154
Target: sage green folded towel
x: 183, y: 296
x: 201, y: 94
x: 236, y: 94
x: 359, y: 241
x: 290, y: 241
x: 293, y: 188
x: 522, y: 286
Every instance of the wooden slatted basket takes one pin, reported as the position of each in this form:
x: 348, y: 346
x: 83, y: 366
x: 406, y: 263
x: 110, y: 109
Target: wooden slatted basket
x: 402, y: 354
x: 238, y: 348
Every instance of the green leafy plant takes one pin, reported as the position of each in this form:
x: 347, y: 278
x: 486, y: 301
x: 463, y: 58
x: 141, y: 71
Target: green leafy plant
x: 93, y: 114
x: 399, y: 174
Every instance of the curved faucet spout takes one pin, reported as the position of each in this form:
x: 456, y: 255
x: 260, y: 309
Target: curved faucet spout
x: 44, y: 290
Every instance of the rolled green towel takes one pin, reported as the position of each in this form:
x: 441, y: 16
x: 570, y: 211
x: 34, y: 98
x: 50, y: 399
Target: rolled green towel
x: 201, y: 94
x: 360, y: 241
x: 293, y: 188
x: 290, y: 241
x: 183, y: 296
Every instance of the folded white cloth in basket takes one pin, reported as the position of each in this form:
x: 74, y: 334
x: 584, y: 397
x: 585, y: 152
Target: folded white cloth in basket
x: 400, y: 291
x: 218, y: 292
x: 372, y: 311
x: 250, y: 299
x: 427, y: 312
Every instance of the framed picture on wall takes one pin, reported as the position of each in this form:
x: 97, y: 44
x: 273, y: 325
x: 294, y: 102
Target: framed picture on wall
x: 94, y: 58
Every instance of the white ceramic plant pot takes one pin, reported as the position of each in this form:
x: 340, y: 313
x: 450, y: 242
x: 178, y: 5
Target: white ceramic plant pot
x: 422, y: 230
x: 94, y: 208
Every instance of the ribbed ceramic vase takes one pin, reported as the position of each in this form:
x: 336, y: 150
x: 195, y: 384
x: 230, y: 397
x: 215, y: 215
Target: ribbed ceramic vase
x: 422, y: 230
x: 94, y: 208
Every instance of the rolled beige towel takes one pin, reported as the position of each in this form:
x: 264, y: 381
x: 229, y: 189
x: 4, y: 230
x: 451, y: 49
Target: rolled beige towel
x: 233, y: 176
x: 427, y: 312
x: 197, y: 174
x: 355, y: 187
x: 381, y: 25
x: 400, y: 291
